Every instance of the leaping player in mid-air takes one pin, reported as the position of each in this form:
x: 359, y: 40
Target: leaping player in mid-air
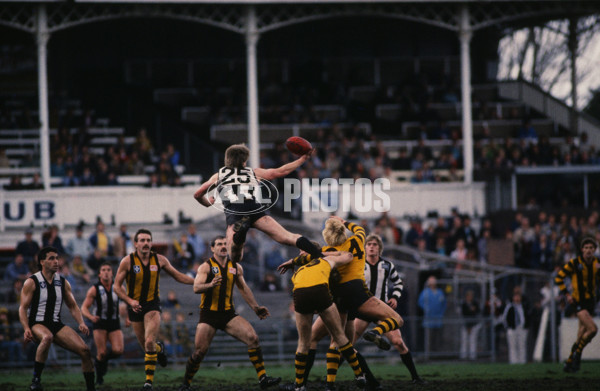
x: 238, y: 187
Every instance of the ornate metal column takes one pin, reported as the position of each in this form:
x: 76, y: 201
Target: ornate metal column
x: 42, y: 37
x: 465, y: 33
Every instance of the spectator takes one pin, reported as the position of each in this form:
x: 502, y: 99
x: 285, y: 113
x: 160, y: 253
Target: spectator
x: 100, y: 240
x: 470, y: 330
x: 17, y: 269
x: 14, y: 294
x: 516, y: 319
x: 459, y: 253
x: 274, y: 258
x: 153, y: 181
x: 184, y: 252
x: 28, y: 247
x: 433, y: 303
x: 196, y: 241
x: 96, y: 260
x: 270, y: 283
x: 143, y: 146
x: 70, y: 179
x: 80, y: 271
x: 79, y: 245
x: 193, y: 270
x: 182, y: 334
x: 15, y: 183
x: 165, y: 333
x: 172, y: 301
x: 36, y: 182
x: 10, y: 346
x: 122, y: 244
x: 482, y: 246
x: 65, y: 272
x: 415, y: 232
x: 51, y: 238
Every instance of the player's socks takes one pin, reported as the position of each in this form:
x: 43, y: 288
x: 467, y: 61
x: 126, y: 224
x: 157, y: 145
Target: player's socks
x: 333, y: 363
x: 385, y: 326
x: 38, y: 368
x: 310, y: 360
x: 190, y: 370
x: 410, y: 364
x: 300, y: 364
x: 306, y: 245
x: 89, y: 381
x: 150, y: 366
x: 366, y: 370
x: 257, y: 360
x: 350, y: 355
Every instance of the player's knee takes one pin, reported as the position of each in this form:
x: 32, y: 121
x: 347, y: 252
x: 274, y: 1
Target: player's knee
x: 47, y: 340
x: 593, y: 331
x: 399, y: 320
x: 253, y: 340
x: 400, y: 346
x: 85, y: 351
x: 117, y: 351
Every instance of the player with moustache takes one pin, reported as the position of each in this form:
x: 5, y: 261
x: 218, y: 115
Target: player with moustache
x: 140, y: 271
x: 215, y: 280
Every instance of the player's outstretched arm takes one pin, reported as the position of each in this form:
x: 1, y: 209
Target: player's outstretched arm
x: 261, y: 311
x: 280, y: 172
x: 176, y: 274
x: 200, y: 194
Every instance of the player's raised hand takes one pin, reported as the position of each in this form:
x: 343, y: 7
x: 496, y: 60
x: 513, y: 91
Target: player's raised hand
x: 284, y: 267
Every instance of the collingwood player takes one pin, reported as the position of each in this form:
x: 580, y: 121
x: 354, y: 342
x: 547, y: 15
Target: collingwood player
x: 42, y: 297
x: 379, y: 273
x: 105, y: 319
x: 239, y: 189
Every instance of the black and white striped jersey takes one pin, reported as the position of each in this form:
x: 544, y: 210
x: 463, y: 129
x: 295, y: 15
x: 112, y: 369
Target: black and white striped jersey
x: 47, y: 299
x: 378, y: 278
x: 107, y: 303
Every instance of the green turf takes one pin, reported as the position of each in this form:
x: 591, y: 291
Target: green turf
x: 71, y: 378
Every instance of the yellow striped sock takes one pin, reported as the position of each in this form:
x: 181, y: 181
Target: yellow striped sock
x: 385, y: 326
x: 350, y: 355
x: 333, y: 363
x: 256, y: 358
x: 150, y: 366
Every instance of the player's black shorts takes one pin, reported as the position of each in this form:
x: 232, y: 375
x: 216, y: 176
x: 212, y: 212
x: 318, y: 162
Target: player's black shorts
x: 54, y: 327
x: 109, y: 325
x: 587, y: 304
x: 312, y: 299
x: 350, y: 295
x: 139, y: 316
x: 235, y: 211
x: 217, y: 319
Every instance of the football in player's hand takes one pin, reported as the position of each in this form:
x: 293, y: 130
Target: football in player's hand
x: 298, y: 145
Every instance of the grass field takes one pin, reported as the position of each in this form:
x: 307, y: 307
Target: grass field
x: 450, y: 376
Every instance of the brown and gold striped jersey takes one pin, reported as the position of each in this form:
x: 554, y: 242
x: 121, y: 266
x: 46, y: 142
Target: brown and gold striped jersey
x: 142, y: 280
x: 220, y: 298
